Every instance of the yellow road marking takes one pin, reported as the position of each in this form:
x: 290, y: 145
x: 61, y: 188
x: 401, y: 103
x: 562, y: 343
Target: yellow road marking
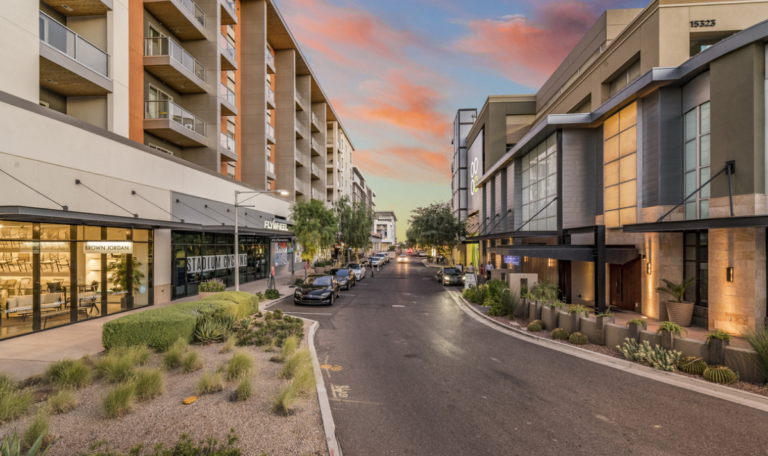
x: 340, y: 391
x: 355, y: 402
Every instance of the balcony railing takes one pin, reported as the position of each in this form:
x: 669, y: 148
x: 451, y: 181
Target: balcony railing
x: 225, y: 44
x: 299, y: 156
x: 301, y: 128
x: 73, y: 45
x: 195, y: 10
x: 228, y: 94
x: 270, y: 58
x: 271, y: 95
x: 302, y: 100
x: 270, y: 167
x: 300, y: 185
x: 165, y: 45
x: 315, y: 144
x: 316, y: 195
x: 315, y: 120
x: 170, y: 110
x: 227, y: 142
x: 270, y: 130
x: 316, y: 170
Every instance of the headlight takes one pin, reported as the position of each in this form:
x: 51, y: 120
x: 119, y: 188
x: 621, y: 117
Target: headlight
x: 325, y: 295
x: 298, y: 293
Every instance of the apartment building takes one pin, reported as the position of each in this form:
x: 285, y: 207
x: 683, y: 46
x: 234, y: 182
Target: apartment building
x: 129, y: 128
x: 339, y: 167
x: 386, y: 227
x: 645, y: 160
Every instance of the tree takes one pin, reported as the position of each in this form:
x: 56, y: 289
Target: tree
x: 355, y: 223
x: 315, y: 227
x: 435, y: 227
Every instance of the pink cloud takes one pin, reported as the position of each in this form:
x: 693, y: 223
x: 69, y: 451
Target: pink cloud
x: 407, y: 164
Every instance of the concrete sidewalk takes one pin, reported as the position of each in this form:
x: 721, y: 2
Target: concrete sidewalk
x: 31, y: 354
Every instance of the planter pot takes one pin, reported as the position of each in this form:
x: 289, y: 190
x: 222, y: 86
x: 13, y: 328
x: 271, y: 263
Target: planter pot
x: 204, y: 294
x: 634, y: 331
x: 126, y: 302
x: 575, y: 322
x: 531, y: 312
x: 600, y: 329
x: 526, y: 309
x: 717, y: 351
x: 537, y: 315
x: 607, y: 320
x: 680, y: 312
x: 667, y: 340
x: 328, y: 269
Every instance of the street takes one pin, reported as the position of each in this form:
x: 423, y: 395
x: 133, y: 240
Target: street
x: 408, y: 372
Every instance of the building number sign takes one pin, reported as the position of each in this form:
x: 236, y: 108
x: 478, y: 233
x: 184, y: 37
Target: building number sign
x: 704, y: 23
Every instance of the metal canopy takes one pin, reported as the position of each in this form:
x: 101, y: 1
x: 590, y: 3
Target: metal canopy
x: 230, y: 229
x: 751, y: 221
x: 516, y: 234
x: 41, y: 215
x: 613, y: 254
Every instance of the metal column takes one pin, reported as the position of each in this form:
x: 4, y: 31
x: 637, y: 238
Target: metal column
x: 599, y: 262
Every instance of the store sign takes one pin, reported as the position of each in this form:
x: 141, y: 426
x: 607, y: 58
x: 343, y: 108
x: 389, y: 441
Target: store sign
x: 507, y: 259
x: 118, y: 248
x: 470, y: 280
x: 475, y: 170
x: 275, y: 225
x: 214, y: 262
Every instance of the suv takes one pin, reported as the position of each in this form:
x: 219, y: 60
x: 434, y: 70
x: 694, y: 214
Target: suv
x: 383, y: 256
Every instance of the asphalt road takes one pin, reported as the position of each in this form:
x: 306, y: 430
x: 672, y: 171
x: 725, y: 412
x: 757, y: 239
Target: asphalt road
x: 409, y: 373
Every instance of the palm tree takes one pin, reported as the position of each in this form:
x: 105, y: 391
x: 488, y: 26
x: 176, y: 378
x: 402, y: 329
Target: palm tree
x: 545, y: 290
x: 675, y: 290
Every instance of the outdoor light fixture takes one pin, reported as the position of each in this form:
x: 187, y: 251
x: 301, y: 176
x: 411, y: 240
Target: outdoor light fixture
x: 648, y: 268
x: 549, y: 262
x: 729, y: 274
x: 282, y: 192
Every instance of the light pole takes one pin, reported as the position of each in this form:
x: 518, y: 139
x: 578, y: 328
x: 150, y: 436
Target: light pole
x: 237, y: 241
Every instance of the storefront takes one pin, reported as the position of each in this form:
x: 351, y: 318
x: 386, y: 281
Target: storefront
x: 56, y: 274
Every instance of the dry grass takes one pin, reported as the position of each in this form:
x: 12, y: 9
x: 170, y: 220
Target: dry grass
x: 229, y: 344
x: 244, y: 389
x: 149, y: 384
x: 69, y: 373
x: 119, y: 400
x: 37, y: 429
x: 62, y: 402
x: 295, y: 362
x: 14, y: 402
x: 240, y: 365
x: 173, y: 357
x: 191, y: 362
x: 209, y: 383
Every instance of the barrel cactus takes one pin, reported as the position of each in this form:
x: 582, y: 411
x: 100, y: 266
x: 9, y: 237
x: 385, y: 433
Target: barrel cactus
x: 540, y: 323
x: 692, y: 365
x: 560, y: 334
x: 578, y: 338
x: 534, y: 327
x: 719, y: 374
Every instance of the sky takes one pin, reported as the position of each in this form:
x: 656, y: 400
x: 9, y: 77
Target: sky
x: 396, y: 72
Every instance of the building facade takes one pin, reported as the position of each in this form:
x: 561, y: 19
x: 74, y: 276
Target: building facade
x: 386, y: 227
x: 645, y: 160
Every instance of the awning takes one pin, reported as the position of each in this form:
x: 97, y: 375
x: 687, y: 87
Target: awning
x: 516, y: 234
x: 614, y: 254
x: 750, y: 221
x: 41, y: 215
x: 245, y: 230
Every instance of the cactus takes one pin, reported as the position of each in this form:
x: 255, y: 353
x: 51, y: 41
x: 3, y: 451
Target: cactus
x: 719, y: 374
x: 560, y: 334
x: 692, y: 365
x: 539, y: 322
x: 578, y: 338
x: 656, y: 357
x: 534, y: 327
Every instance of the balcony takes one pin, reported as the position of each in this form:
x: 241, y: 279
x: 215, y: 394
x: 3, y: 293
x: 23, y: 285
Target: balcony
x: 270, y: 169
x: 301, y: 187
x: 81, y: 7
x: 171, y: 122
x: 228, y: 12
x: 316, y: 195
x: 301, y: 130
x: 227, y: 146
x: 315, y: 172
x: 315, y: 147
x: 228, y: 60
x: 271, y: 98
x: 299, y: 156
x: 228, y: 100
x: 69, y: 64
x: 270, y: 62
x: 301, y: 102
x: 315, y: 123
x: 270, y: 134
x: 166, y: 59
x: 183, y: 17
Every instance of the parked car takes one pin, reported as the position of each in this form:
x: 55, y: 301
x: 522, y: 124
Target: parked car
x: 345, y: 276
x: 402, y: 259
x: 376, y: 261
x: 358, y: 269
x: 422, y: 253
x: 317, y: 290
x: 450, y: 276
x: 384, y: 256
x: 410, y: 250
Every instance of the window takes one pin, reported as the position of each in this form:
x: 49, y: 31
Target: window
x: 620, y: 167
x: 231, y: 169
x: 624, y: 78
x: 540, y: 186
x: 697, y: 169
x: 153, y: 146
x: 696, y: 259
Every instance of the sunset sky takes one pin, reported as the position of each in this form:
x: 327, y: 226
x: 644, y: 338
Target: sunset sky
x: 397, y: 71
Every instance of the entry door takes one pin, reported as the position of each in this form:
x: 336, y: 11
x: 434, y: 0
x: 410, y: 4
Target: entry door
x: 625, y: 285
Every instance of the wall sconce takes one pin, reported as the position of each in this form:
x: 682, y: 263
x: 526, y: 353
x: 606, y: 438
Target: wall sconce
x: 729, y: 274
x: 648, y: 268
x: 550, y: 262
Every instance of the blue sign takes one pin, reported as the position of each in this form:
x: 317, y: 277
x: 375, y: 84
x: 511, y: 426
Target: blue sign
x: 142, y: 289
x: 516, y: 260
x: 508, y: 259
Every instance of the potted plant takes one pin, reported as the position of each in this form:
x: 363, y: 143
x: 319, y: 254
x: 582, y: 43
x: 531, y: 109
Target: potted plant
x: 210, y: 288
x: 678, y: 311
x: 717, y: 341
x: 319, y: 267
x: 328, y: 266
x: 602, y: 318
x: 545, y: 291
x: 577, y: 311
x: 529, y: 297
x: 119, y: 278
x: 668, y: 330
x: 635, y: 326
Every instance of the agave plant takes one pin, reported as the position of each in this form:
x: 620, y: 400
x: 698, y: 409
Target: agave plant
x: 210, y: 330
x: 11, y: 446
x: 676, y: 290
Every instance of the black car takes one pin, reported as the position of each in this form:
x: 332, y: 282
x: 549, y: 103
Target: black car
x: 316, y: 290
x: 450, y: 276
x: 345, y: 276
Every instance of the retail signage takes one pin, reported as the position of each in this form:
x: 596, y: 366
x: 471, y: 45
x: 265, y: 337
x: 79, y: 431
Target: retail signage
x: 214, y: 262
x: 470, y: 280
x: 118, y: 248
x: 516, y: 260
x: 475, y: 170
x: 508, y: 259
x: 275, y: 225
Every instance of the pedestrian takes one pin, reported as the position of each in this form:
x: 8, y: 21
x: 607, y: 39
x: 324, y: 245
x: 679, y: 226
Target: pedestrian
x: 488, y: 269
x: 471, y: 268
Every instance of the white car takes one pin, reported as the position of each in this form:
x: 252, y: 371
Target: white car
x: 358, y: 269
x: 422, y: 253
x: 402, y: 258
x: 383, y: 256
x: 376, y: 261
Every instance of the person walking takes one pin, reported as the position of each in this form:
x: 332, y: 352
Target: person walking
x: 488, y: 269
x: 471, y: 268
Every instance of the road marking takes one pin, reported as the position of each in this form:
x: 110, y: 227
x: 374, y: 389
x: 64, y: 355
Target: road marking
x: 334, y: 368
x: 356, y: 402
x: 306, y: 313
x: 340, y: 391
x: 607, y: 420
x: 494, y: 359
x: 397, y: 305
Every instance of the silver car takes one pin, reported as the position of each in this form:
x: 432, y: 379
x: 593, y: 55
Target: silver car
x: 358, y: 269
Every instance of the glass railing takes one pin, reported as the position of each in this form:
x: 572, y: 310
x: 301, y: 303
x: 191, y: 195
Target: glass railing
x: 301, y: 128
x: 231, y: 5
x: 170, y: 110
x: 271, y: 95
x: 195, y: 10
x: 270, y: 167
x: 227, y: 142
x: 59, y: 37
x: 315, y: 145
x: 167, y: 46
x: 270, y: 130
x: 227, y: 94
x: 226, y: 45
x: 270, y: 58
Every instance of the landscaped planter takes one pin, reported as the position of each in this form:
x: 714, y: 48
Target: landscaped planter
x: 549, y: 317
x: 634, y: 331
x: 680, y: 312
x: 204, y: 294
x: 667, y: 340
x: 538, y: 308
x: 717, y: 351
x: 575, y: 318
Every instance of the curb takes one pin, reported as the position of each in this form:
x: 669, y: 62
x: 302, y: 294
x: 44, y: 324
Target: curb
x: 748, y: 399
x: 276, y: 301
x: 334, y: 449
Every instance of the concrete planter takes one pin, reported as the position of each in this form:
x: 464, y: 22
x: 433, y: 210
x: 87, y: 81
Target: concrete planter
x: 204, y: 295
x: 549, y: 317
x: 680, y: 312
x: 634, y: 331
x: 667, y: 340
x: 526, y: 309
x: 717, y: 351
x: 531, y: 312
x: 600, y: 331
x: 537, y: 310
x: 575, y: 318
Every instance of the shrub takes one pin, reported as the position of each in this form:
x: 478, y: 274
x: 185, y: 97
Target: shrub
x: 577, y: 309
x: 261, y: 296
x: 534, y: 327
x: 191, y: 362
x: 209, y: 383
x: 494, y: 303
x: 295, y: 363
x: 272, y: 294
x: 173, y: 357
x: 546, y: 291
x: 758, y: 340
x: 692, y: 365
x: 119, y: 400
x: 278, y: 314
x: 560, y: 334
x: 656, y: 357
x: 212, y: 286
x: 37, y: 430
x: 68, y: 373
x: 720, y: 374
x: 290, y: 345
x: 149, y: 384
x: 470, y: 294
x: 244, y: 391
x: 13, y: 402
x: 184, y: 447
x: 495, y: 287
x: 62, y: 402
x: 509, y: 302
x: 301, y: 385
x: 241, y: 365
x: 117, y: 365
x: 247, y: 303
x: 229, y: 345
x: 11, y: 446
x: 271, y: 331
x: 578, y: 338
x: 719, y: 334
x: 210, y: 330
x: 674, y: 328
x: 539, y: 322
x: 636, y: 321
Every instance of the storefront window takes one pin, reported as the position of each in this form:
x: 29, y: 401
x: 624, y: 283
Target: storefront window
x: 540, y: 187
x: 620, y: 170
x: 696, y: 259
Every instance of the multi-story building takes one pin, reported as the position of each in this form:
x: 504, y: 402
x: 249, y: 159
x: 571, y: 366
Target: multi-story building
x: 128, y: 129
x: 386, y: 227
x: 339, y: 164
x: 645, y: 160
x: 463, y: 122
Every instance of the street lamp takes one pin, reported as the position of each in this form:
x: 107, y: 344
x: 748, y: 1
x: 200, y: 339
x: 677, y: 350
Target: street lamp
x: 237, y: 241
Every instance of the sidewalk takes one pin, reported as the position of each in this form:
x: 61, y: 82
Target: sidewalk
x: 30, y: 355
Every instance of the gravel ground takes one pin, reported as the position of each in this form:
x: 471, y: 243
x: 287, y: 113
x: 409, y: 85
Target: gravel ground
x: 164, y: 419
